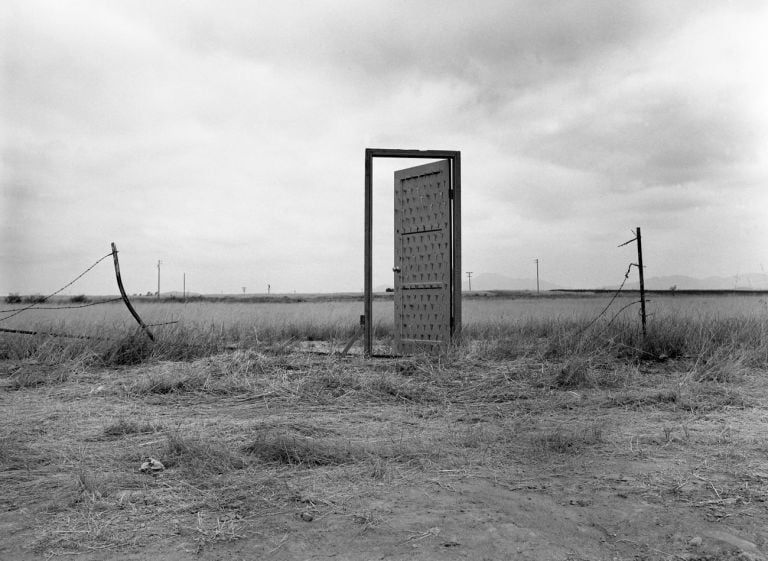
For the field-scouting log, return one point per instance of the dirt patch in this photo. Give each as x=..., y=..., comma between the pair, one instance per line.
x=310, y=457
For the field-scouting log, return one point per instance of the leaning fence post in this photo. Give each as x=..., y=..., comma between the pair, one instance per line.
x=642, y=279
x=125, y=297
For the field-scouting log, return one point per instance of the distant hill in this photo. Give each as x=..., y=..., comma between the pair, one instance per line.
x=494, y=281
x=750, y=281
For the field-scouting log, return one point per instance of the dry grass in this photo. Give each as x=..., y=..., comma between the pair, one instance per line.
x=260, y=432
x=544, y=328
x=199, y=456
x=302, y=434
x=123, y=427
x=562, y=440
x=298, y=450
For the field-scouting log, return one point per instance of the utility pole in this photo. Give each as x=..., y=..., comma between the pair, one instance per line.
x=184, y=287
x=537, y=275
x=469, y=278
x=269, y=288
x=158, y=278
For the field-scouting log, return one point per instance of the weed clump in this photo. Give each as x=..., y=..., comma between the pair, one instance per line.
x=576, y=373
x=30, y=374
x=335, y=384
x=566, y=441
x=168, y=382
x=18, y=453
x=725, y=365
x=301, y=450
x=198, y=456
x=129, y=350
x=403, y=389
x=91, y=485
x=712, y=396
x=124, y=427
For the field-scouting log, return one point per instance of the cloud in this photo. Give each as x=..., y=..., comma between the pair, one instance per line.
x=227, y=139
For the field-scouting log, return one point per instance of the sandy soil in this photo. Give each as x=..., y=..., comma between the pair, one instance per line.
x=486, y=461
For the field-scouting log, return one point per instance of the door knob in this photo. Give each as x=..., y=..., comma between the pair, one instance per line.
x=396, y=269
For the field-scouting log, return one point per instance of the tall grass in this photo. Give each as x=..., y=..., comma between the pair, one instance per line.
x=740, y=336
x=667, y=338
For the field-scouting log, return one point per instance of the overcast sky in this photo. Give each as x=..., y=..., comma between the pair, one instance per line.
x=227, y=138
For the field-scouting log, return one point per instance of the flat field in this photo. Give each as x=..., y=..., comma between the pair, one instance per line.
x=543, y=436
x=305, y=317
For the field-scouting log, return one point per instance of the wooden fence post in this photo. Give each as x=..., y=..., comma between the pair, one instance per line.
x=125, y=296
x=642, y=280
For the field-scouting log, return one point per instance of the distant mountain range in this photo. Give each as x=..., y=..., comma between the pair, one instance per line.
x=747, y=281
x=494, y=281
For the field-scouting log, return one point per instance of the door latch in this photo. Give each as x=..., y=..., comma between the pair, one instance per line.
x=396, y=269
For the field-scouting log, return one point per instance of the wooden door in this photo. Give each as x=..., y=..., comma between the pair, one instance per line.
x=423, y=258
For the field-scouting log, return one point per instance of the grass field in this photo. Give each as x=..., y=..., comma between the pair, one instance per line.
x=540, y=436
x=300, y=317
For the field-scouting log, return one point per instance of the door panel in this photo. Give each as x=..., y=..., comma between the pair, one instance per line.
x=423, y=257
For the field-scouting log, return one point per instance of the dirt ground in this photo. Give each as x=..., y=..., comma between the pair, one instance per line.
x=309, y=457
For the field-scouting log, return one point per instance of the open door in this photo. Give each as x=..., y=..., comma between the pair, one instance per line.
x=423, y=268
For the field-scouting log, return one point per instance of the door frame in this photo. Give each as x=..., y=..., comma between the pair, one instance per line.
x=454, y=157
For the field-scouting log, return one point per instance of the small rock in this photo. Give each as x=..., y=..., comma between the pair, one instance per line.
x=307, y=516
x=695, y=541
x=152, y=466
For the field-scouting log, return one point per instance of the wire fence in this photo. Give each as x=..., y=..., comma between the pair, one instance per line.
x=46, y=298
x=35, y=305
x=642, y=300
x=610, y=303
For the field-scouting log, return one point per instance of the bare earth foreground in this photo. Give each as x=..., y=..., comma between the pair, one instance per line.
x=302, y=456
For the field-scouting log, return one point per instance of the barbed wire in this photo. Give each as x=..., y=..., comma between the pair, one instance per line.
x=591, y=323
x=35, y=305
x=64, y=307
x=619, y=312
x=78, y=277
x=49, y=334
x=162, y=323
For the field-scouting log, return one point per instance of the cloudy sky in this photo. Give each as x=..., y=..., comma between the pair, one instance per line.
x=227, y=138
